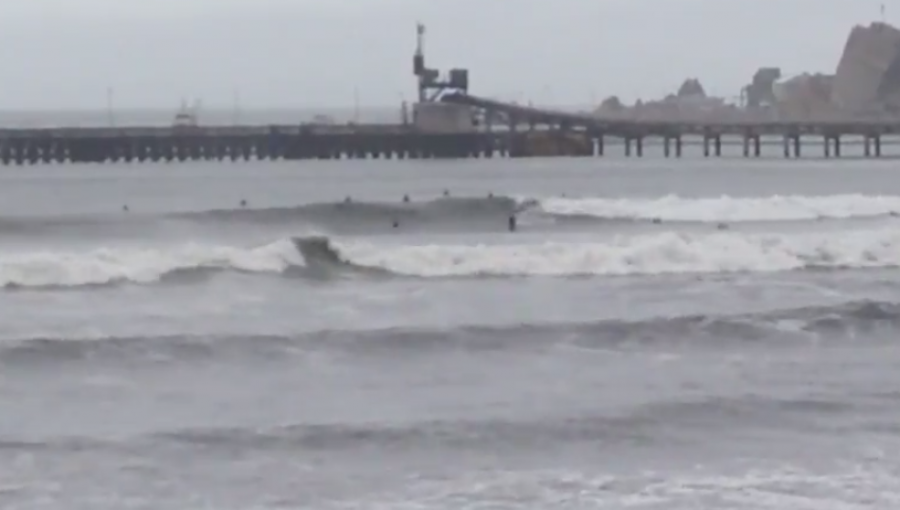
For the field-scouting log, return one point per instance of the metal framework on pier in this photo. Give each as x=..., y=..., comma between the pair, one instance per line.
x=431, y=85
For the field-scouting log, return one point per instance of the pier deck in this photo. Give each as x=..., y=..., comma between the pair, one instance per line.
x=526, y=131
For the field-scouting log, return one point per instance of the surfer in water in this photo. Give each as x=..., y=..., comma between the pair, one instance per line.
x=512, y=223
x=405, y=199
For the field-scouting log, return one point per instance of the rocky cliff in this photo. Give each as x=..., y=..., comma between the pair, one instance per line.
x=863, y=76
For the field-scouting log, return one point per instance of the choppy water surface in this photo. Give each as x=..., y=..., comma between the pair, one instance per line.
x=656, y=334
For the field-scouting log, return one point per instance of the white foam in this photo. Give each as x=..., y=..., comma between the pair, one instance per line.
x=845, y=488
x=726, y=208
x=661, y=253
x=139, y=265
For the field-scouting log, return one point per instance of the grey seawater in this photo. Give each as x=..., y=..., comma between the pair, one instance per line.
x=301, y=352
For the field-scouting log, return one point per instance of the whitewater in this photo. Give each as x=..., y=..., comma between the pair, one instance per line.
x=291, y=335
x=646, y=254
x=726, y=208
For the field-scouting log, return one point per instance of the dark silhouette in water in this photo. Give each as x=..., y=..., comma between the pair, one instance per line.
x=722, y=226
x=512, y=223
x=125, y=207
x=657, y=221
x=347, y=199
x=396, y=224
x=243, y=203
x=446, y=193
x=491, y=195
x=406, y=198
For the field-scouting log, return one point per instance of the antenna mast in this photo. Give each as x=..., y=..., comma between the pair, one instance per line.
x=420, y=39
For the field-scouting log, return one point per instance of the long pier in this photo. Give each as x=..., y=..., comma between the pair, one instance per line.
x=448, y=122
x=179, y=144
x=499, y=129
x=634, y=133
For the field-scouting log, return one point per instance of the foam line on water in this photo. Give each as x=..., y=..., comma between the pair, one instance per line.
x=725, y=208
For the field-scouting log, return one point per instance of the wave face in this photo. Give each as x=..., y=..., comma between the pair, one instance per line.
x=340, y=216
x=725, y=208
x=647, y=254
x=359, y=214
x=841, y=321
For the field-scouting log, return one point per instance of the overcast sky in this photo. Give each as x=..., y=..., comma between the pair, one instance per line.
x=300, y=53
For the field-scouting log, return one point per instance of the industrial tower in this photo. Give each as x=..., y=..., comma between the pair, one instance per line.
x=431, y=86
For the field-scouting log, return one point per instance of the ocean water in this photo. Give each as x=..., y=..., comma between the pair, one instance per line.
x=692, y=334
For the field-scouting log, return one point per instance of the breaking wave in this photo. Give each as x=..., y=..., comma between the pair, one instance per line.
x=50, y=269
x=646, y=254
x=490, y=212
x=840, y=321
x=725, y=208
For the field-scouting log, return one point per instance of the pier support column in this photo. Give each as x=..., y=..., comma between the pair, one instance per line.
x=640, y=146
x=757, y=146
x=837, y=146
x=627, y=147
x=678, y=146
x=600, y=143
x=826, y=146
x=797, y=152
x=786, y=143
x=746, y=146
x=877, y=140
x=705, y=146
x=867, y=146
x=667, y=146
x=718, y=145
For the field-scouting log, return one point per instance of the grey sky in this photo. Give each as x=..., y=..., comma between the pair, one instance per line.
x=298, y=53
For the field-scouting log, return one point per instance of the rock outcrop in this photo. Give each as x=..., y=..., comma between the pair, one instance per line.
x=869, y=69
x=691, y=88
x=611, y=106
x=804, y=97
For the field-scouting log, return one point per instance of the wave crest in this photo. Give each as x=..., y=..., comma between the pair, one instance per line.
x=649, y=254
x=104, y=266
x=725, y=208
x=487, y=211
x=834, y=321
